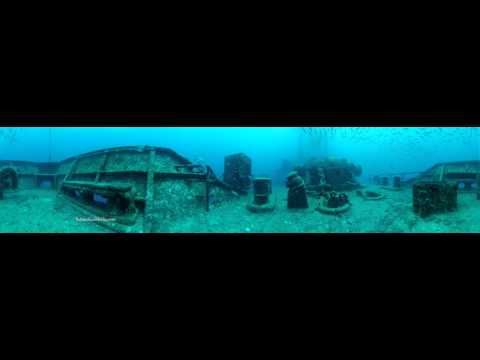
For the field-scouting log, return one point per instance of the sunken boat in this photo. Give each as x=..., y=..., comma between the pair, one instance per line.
x=134, y=187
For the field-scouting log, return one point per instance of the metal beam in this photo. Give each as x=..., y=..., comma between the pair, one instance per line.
x=149, y=193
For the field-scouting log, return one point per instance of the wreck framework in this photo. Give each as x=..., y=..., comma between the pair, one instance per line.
x=130, y=188
x=464, y=174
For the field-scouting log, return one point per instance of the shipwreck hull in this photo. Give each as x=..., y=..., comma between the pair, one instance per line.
x=464, y=174
x=128, y=189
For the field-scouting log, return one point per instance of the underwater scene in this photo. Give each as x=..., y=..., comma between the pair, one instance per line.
x=239, y=180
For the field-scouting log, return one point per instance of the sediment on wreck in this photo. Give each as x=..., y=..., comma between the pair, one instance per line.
x=129, y=189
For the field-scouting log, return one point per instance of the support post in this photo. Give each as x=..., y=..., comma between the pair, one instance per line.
x=102, y=167
x=207, y=188
x=72, y=170
x=442, y=171
x=478, y=185
x=207, y=195
x=149, y=196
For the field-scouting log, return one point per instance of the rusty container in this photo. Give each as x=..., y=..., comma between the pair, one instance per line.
x=262, y=188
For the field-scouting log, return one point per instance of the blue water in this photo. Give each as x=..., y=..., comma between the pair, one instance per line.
x=46, y=184
x=99, y=199
x=377, y=150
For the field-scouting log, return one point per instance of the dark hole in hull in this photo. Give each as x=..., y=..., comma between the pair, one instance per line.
x=46, y=184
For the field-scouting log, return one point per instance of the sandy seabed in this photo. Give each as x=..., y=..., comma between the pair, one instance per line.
x=39, y=211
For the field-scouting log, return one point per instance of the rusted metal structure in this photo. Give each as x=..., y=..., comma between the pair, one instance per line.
x=461, y=173
x=329, y=174
x=129, y=189
x=297, y=196
x=262, y=190
x=8, y=178
x=31, y=174
x=464, y=174
x=434, y=197
x=238, y=172
x=397, y=182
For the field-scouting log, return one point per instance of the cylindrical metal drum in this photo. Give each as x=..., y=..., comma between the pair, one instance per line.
x=262, y=186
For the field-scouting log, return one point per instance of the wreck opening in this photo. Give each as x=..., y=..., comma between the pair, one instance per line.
x=46, y=182
x=103, y=200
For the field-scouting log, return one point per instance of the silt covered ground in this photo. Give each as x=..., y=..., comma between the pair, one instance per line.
x=38, y=211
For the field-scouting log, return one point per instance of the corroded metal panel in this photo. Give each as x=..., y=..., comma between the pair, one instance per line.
x=89, y=164
x=459, y=172
x=138, y=179
x=65, y=166
x=127, y=161
x=161, y=184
